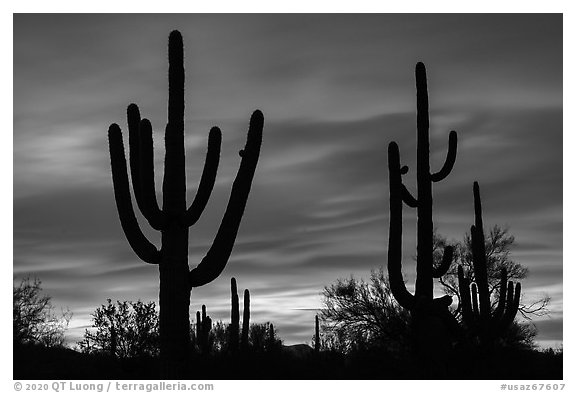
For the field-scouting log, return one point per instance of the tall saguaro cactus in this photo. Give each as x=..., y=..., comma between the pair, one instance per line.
x=431, y=318
x=477, y=313
x=399, y=194
x=174, y=219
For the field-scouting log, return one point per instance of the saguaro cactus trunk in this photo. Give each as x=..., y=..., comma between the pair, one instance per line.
x=174, y=219
x=429, y=314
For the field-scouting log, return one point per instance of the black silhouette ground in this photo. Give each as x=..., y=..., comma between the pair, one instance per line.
x=35, y=362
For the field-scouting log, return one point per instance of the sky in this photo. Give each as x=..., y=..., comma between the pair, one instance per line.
x=335, y=90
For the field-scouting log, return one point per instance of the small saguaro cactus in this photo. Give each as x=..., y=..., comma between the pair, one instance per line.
x=203, y=328
x=271, y=337
x=317, y=335
x=246, y=320
x=113, y=339
x=198, y=329
x=234, y=317
x=174, y=219
x=477, y=314
x=399, y=194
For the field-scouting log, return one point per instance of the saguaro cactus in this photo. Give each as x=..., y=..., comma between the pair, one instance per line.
x=431, y=318
x=113, y=339
x=174, y=219
x=234, y=316
x=246, y=319
x=203, y=328
x=486, y=324
x=271, y=337
x=317, y=335
x=399, y=194
x=199, y=328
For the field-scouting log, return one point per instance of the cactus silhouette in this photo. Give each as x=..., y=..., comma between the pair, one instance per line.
x=203, y=327
x=113, y=338
x=399, y=194
x=271, y=336
x=317, y=335
x=430, y=315
x=234, y=317
x=174, y=219
x=486, y=324
x=246, y=320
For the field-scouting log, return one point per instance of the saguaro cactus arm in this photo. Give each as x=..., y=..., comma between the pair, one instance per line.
x=512, y=304
x=397, y=285
x=217, y=256
x=441, y=269
x=133, y=116
x=475, y=308
x=208, y=178
x=407, y=198
x=141, y=246
x=148, y=203
x=465, y=298
x=499, y=312
x=450, y=159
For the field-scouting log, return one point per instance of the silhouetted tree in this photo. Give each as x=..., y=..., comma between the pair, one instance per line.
x=357, y=314
x=174, y=218
x=263, y=338
x=123, y=330
x=220, y=337
x=34, y=318
x=519, y=335
x=337, y=341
